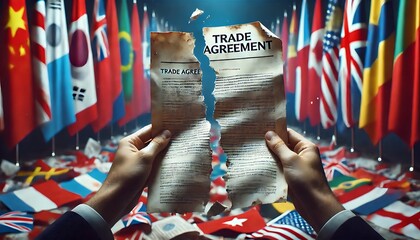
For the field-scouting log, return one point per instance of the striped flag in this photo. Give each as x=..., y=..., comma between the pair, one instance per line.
x=352, y=53
x=126, y=50
x=117, y=94
x=377, y=74
x=301, y=94
x=16, y=72
x=315, y=64
x=285, y=44
x=102, y=66
x=83, y=76
x=330, y=63
x=39, y=63
x=146, y=43
x=44, y=196
x=85, y=184
x=404, y=116
x=58, y=64
x=16, y=222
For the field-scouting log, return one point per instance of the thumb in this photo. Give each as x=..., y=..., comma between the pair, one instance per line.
x=155, y=146
x=279, y=147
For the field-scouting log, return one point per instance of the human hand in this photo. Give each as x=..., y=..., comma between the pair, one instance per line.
x=308, y=186
x=128, y=174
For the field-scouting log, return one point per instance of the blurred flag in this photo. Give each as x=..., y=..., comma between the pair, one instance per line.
x=58, y=64
x=39, y=45
x=117, y=94
x=137, y=215
x=1, y=112
x=291, y=63
x=341, y=184
x=126, y=50
x=44, y=196
x=315, y=64
x=146, y=43
x=16, y=222
x=330, y=63
x=285, y=43
x=85, y=184
x=16, y=73
x=84, y=89
x=404, y=116
x=352, y=54
x=335, y=163
x=398, y=218
x=301, y=96
x=377, y=75
x=102, y=67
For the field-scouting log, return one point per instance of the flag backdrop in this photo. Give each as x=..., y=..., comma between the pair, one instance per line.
x=352, y=53
x=102, y=67
x=58, y=64
x=291, y=63
x=146, y=43
x=330, y=63
x=83, y=76
x=404, y=117
x=39, y=44
x=126, y=50
x=377, y=74
x=285, y=44
x=117, y=94
x=1, y=111
x=16, y=73
x=314, y=64
x=301, y=90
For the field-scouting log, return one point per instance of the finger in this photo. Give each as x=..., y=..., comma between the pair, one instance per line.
x=294, y=137
x=140, y=137
x=279, y=147
x=299, y=143
x=157, y=144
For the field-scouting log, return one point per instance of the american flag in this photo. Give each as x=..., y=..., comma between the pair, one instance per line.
x=330, y=63
x=353, y=44
x=289, y=225
x=15, y=221
x=100, y=46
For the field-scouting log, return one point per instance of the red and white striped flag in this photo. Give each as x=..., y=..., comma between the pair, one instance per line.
x=315, y=64
x=39, y=63
x=84, y=90
x=353, y=43
x=330, y=63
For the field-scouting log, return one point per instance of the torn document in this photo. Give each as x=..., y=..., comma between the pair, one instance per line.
x=250, y=100
x=181, y=182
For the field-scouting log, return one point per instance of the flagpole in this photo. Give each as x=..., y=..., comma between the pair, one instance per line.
x=380, y=151
x=304, y=127
x=125, y=129
x=77, y=141
x=99, y=136
x=53, y=147
x=17, y=155
x=352, y=140
x=112, y=132
x=334, y=136
x=318, y=137
x=412, y=160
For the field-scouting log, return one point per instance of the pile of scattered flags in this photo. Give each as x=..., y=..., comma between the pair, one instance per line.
x=38, y=192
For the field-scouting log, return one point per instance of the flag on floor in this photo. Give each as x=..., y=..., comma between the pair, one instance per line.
x=289, y=225
x=398, y=218
x=315, y=64
x=16, y=222
x=285, y=43
x=335, y=163
x=368, y=199
x=330, y=63
x=126, y=50
x=85, y=184
x=39, y=63
x=44, y=196
x=301, y=90
x=102, y=67
x=342, y=184
x=137, y=215
x=404, y=115
x=291, y=63
x=58, y=64
x=377, y=74
x=352, y=54
x=82, y=72
x=146, y=43
x=16, y=73
x=117, y=94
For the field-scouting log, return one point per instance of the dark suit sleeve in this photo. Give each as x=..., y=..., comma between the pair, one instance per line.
x=70, y=226
x=355, y=228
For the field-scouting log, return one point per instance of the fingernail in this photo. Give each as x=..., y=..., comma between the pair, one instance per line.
x=166, y=134
x=269, y=135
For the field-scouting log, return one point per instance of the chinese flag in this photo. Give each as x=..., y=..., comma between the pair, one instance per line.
x=16, y=72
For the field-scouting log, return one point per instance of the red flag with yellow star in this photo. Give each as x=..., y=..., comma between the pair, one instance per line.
x=16, y=72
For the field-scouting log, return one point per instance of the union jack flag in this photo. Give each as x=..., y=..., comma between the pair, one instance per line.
x=137, y=215
x=13, y=222
x=353, y=45
x=330, y=63
x=100, y=46
x=335, y=163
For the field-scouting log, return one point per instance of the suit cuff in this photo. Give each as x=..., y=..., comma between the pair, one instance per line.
x=328, y=230
x=95, y=220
